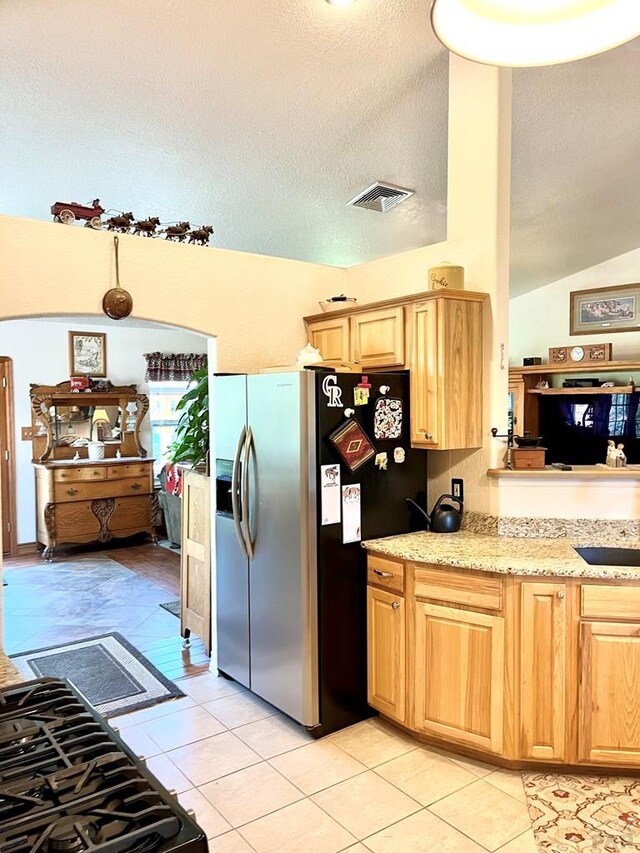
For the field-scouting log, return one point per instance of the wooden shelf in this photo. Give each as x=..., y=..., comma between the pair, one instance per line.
x=590, y=367
x=618, y=389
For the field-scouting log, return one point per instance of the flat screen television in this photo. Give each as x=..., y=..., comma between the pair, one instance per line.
x=575, y=428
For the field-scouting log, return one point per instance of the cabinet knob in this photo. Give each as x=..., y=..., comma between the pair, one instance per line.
x=395, y=605
x=72, y=491
x=136, y=486
x=560, y=594
x=428, y=435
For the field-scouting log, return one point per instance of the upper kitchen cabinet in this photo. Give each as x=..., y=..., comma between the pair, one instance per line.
x=445, y=359
x=377, y=338
x=437, y=336
x=330, y=335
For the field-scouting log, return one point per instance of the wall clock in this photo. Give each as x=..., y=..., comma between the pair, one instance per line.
x=587, y=354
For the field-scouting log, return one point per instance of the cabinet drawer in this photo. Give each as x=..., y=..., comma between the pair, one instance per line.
x=65, y=492
x=388, y=574
x=128, y=469
x=610, y=602
x=457, y=588
x=79, y=475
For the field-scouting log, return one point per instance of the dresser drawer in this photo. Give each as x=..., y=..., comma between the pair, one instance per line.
x=388, y=574
x=453, y=587
x=610, y=602
x=104, y=489
x=129, y=469
x=79, y=475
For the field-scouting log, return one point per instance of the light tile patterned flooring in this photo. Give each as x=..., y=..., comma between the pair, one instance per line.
x=258, y=782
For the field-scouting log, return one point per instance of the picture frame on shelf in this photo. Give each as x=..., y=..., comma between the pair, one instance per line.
x=88, y=354
x=605, y=309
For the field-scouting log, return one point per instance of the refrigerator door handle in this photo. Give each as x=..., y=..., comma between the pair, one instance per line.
x=244, y=494
x=235, y=488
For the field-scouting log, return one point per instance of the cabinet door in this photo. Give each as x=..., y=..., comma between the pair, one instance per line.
x=424, y=375
x=386, y=653
x=459, y=675
x=609, y=722
x=195, y=559
x=542, y=670
x=331, y=337
x=377, y=338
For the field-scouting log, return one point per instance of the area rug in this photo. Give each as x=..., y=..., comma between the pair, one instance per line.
x=172, y=607
x=584, y=814
x=109, y=672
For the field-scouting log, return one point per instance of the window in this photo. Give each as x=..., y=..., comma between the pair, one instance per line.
x=163, y=399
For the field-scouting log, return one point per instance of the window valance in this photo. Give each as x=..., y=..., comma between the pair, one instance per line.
x=167, y=367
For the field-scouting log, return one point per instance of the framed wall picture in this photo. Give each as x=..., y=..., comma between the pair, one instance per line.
x=606, y=309
x=87, y=354
x=353, y=444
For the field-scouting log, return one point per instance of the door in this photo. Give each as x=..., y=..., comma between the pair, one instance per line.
x=543, y=670
x=195, y=559
x=609, y=722
x=424, y=375
x=280, y=516
x=232, y=566
x=377, y=338
x=331, y=337
x=386, y=658
x=459, y=675
x=7, y=478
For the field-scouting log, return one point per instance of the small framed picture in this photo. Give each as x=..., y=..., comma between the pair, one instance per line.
x=605, y=309
x=87, y=354
x=353, y=444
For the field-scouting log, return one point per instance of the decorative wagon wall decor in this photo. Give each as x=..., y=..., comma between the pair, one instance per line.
x=126, y=223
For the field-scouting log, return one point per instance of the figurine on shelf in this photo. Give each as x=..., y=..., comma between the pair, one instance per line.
x=621, y=459
x=201, y=235
x=612, y=454
x=146, y=227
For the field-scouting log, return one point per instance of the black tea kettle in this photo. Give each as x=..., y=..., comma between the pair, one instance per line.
x=444, y=517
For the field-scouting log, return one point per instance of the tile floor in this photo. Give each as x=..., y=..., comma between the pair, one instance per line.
x=257, y=782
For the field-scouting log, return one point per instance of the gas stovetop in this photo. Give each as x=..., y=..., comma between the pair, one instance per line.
x=68, y=784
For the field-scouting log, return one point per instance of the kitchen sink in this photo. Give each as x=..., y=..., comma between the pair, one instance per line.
x=610, y=556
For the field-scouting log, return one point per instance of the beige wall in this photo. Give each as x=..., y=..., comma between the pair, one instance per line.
x=252, y=303
x=540, y=319
x=478, y=239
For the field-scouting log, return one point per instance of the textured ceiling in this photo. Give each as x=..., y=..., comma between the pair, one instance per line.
x=576, y=166
x=261, y=118
x=264, y=118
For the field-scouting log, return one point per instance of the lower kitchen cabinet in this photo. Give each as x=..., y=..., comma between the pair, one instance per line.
x=386, y=655
x=459, y=675
x=543, y=630
x=530, y=671
x=609, y=702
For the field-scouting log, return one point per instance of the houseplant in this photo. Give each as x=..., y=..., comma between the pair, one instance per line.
x=191, y=439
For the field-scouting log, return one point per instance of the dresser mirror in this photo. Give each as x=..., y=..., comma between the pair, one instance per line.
x=64, y=422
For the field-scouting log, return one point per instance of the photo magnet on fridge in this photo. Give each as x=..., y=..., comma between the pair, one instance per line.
x=353, y=444
x=351, y=519
x=360, y=396
x=330, y=493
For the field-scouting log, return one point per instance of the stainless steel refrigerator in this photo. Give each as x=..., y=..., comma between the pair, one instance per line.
x=291, y=597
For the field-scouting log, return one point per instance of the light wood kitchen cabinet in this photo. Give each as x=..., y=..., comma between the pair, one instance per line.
x=459, y=675
x=609, y=721
x=543, y=630
x=195, y=558
x=446, y=373
x=377, y=338
x=386, y=658
x=437, y=336
x=507, y=668
x=331, y=336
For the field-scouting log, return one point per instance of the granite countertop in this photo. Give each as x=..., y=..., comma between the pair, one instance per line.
x=507, y=555
x=8, y=673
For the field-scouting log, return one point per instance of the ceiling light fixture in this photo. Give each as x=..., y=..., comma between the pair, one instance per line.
x=341, y=2
x=527, y=33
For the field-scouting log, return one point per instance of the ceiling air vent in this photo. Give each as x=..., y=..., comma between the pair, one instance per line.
x=381, y=197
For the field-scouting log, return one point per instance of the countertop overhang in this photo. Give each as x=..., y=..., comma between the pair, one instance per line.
x=507, y=555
